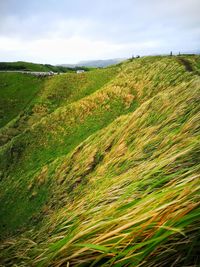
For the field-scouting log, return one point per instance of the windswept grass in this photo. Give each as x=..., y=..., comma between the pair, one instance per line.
x=111, y=179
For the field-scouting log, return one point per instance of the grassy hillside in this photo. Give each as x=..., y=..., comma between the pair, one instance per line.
x=16, y=91
x=104, y=169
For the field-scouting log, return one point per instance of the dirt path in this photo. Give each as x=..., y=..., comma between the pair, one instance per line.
x=187, y=64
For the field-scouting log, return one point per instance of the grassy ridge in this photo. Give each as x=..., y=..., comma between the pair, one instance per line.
x=68, y=88
x=55, y=92
x=110, y=179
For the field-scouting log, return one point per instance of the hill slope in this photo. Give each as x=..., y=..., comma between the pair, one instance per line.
x=16, y=91
x=107, y=174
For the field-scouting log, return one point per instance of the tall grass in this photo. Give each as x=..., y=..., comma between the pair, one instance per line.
x=126, y=194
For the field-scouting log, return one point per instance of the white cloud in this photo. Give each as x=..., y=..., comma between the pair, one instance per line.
x=62, y=50
x=9, y=44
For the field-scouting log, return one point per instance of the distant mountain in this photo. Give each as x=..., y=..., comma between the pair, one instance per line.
x=95, y=63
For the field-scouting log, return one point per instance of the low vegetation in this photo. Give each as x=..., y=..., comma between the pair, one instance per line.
x=103, y=169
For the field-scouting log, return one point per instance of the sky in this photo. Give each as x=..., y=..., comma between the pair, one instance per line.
x=68, y=31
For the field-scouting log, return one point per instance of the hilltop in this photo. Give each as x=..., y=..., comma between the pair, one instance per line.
x=102, y=168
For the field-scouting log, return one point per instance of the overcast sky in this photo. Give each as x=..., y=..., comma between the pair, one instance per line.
x=67, y=31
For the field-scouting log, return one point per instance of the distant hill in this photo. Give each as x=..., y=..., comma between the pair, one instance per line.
x=95, y=63
x=28, y=66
